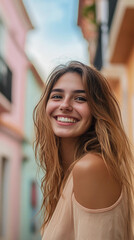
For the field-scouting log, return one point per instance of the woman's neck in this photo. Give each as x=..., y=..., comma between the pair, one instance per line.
x=67, y=152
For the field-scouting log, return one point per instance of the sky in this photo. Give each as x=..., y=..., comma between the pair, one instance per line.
x=56, y=38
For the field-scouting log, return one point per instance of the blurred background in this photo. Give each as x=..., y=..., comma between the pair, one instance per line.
x=35, y=36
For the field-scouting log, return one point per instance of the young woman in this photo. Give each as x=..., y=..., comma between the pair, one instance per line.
x=86, y=158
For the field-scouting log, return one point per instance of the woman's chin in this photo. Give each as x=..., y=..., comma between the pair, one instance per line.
x=65, y=135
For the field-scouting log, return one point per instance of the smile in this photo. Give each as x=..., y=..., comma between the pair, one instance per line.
x=66, y=119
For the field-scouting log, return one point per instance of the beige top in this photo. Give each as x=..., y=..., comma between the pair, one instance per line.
x=71, y=221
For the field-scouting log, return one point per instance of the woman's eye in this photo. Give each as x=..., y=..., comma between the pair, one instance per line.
x=81, y=99
x=56, y=97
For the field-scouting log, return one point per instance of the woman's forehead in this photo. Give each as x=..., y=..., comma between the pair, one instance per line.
x=70, y=78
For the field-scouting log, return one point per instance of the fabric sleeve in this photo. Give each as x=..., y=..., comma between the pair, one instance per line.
x=102, y=224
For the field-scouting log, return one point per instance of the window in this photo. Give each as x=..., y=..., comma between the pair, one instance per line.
x=5, y=80
x=5, y=72
x=33, y=204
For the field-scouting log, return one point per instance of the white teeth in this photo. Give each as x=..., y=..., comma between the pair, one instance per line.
x=65, y=119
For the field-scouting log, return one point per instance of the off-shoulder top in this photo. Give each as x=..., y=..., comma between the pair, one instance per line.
x=72, y=221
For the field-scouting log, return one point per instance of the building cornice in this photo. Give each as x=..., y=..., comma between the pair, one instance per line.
x=37, y=74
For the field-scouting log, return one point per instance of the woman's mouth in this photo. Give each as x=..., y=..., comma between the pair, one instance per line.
x=66, y=119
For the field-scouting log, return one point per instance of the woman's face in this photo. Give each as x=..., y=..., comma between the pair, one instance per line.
x=67, y=107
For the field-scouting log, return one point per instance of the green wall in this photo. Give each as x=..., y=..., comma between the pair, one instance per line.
x=30, y=224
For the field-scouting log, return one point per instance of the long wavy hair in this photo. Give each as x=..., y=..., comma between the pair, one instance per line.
x=106, y=136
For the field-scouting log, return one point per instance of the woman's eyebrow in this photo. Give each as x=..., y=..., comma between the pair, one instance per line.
x=57, y=90
x=79, y=91
x=61, y=90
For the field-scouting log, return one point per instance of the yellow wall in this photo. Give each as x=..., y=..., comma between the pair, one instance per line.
x=130, y=72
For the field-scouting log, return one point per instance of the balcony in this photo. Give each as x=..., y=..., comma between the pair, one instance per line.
x=122, y=32
x=5, y=87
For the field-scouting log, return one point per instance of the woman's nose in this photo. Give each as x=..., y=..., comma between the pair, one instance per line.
x=66, y=105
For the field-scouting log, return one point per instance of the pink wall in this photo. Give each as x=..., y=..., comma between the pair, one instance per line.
x=17, y=62
x=12, y=151
x=15, y=19
x=12, y=123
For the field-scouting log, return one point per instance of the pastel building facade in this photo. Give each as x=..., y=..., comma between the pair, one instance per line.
x=15, y=128
x=111, y=44
x=30, y=179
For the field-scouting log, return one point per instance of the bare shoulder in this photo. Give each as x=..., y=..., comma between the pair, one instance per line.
x=94, y=186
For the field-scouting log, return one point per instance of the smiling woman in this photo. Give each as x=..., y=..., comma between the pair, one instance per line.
x=67, y=107
x=81, y=145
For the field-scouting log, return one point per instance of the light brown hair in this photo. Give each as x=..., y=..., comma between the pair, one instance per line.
x=105, y=136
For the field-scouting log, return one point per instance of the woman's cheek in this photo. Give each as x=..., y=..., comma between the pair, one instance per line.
x=50, y=108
